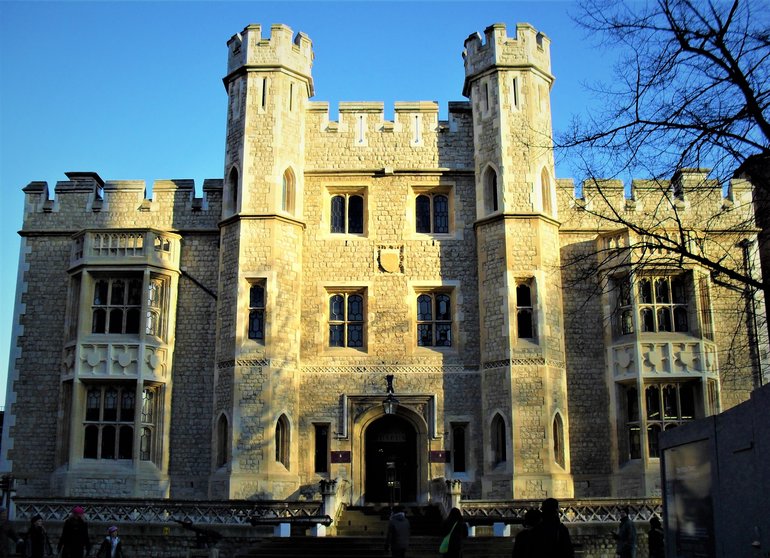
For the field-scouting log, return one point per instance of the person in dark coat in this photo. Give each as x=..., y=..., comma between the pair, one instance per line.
x=655, y=539
x=524, y=546
x=37, y=545
x=6, y=532
x=626, y=536
x=397, y=537
x=551, y=538
x=74, y=541
x=455, y=525
x=112, y=546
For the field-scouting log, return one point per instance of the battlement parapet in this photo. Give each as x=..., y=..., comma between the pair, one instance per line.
x=367, y=117
x=689, y=197
x=529, y=48
x=283, y=50
x=87, y=193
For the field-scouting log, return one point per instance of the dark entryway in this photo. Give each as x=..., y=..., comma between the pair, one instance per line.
x=391, y=460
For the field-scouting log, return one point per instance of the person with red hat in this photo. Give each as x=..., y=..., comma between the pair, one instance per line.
x=74, y=541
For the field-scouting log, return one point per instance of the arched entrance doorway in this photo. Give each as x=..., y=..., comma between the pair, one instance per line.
x=390, y=444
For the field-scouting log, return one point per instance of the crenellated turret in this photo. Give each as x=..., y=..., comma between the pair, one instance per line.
x=248, y=51
x=268, y=85
x=508, y=81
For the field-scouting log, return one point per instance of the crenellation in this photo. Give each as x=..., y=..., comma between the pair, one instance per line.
x=121, y=202
x=293, y=54
x=529, y=48
x=690, y=197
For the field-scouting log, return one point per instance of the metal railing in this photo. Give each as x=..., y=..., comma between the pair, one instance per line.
x=114, y=510
x=595, y=510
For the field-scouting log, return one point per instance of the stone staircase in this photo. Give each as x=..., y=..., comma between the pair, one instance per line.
x=361, y=534
x=370, y=547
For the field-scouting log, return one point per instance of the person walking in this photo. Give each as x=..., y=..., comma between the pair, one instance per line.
x=112, y=546
x=74, y=541
x=37, y=545
x=397, y=537
x=655, y=540
x=6, y=532
x=524, y=545
x=456, y=530
x=626, y=536
x=551, y=538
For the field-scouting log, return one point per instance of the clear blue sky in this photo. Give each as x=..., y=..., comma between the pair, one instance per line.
x=133, y=90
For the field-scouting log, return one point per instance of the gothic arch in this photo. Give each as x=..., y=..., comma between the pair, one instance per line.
x=359, y=427
x=491, y=189
x=231, y=193
x=282, y=441
x=288, y=191
x=498, y=440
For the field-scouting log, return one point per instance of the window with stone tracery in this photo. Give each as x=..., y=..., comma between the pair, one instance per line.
x=347, y=311
x=434, y=319
x=116, y=305
x=660, y=303
x=110, y=427
x=663, y=303
x=432, y=213
x=347, y=214
x=663, y=406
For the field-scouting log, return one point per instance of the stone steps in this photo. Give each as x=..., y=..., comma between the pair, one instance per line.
x=370, y=547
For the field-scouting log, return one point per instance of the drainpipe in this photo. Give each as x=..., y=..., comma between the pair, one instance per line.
x=751, y=309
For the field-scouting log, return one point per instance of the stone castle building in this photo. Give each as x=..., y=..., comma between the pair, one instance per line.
x=238, y=344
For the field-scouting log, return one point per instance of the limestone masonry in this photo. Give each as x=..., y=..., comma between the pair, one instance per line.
x=238, y=344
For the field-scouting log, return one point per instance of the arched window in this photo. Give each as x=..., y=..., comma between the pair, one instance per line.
x=288, y=191
x=231, y=202
x=282, y=441
x=545, y=191
x=498, y=440
x=223, y=432
x=558, y=440
x=490, y=190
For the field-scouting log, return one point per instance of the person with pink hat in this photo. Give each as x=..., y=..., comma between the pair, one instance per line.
x=111, y=546
x=74, y=541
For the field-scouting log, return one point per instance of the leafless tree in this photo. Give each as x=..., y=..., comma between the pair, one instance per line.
x=691, y=87
x=691, y=90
